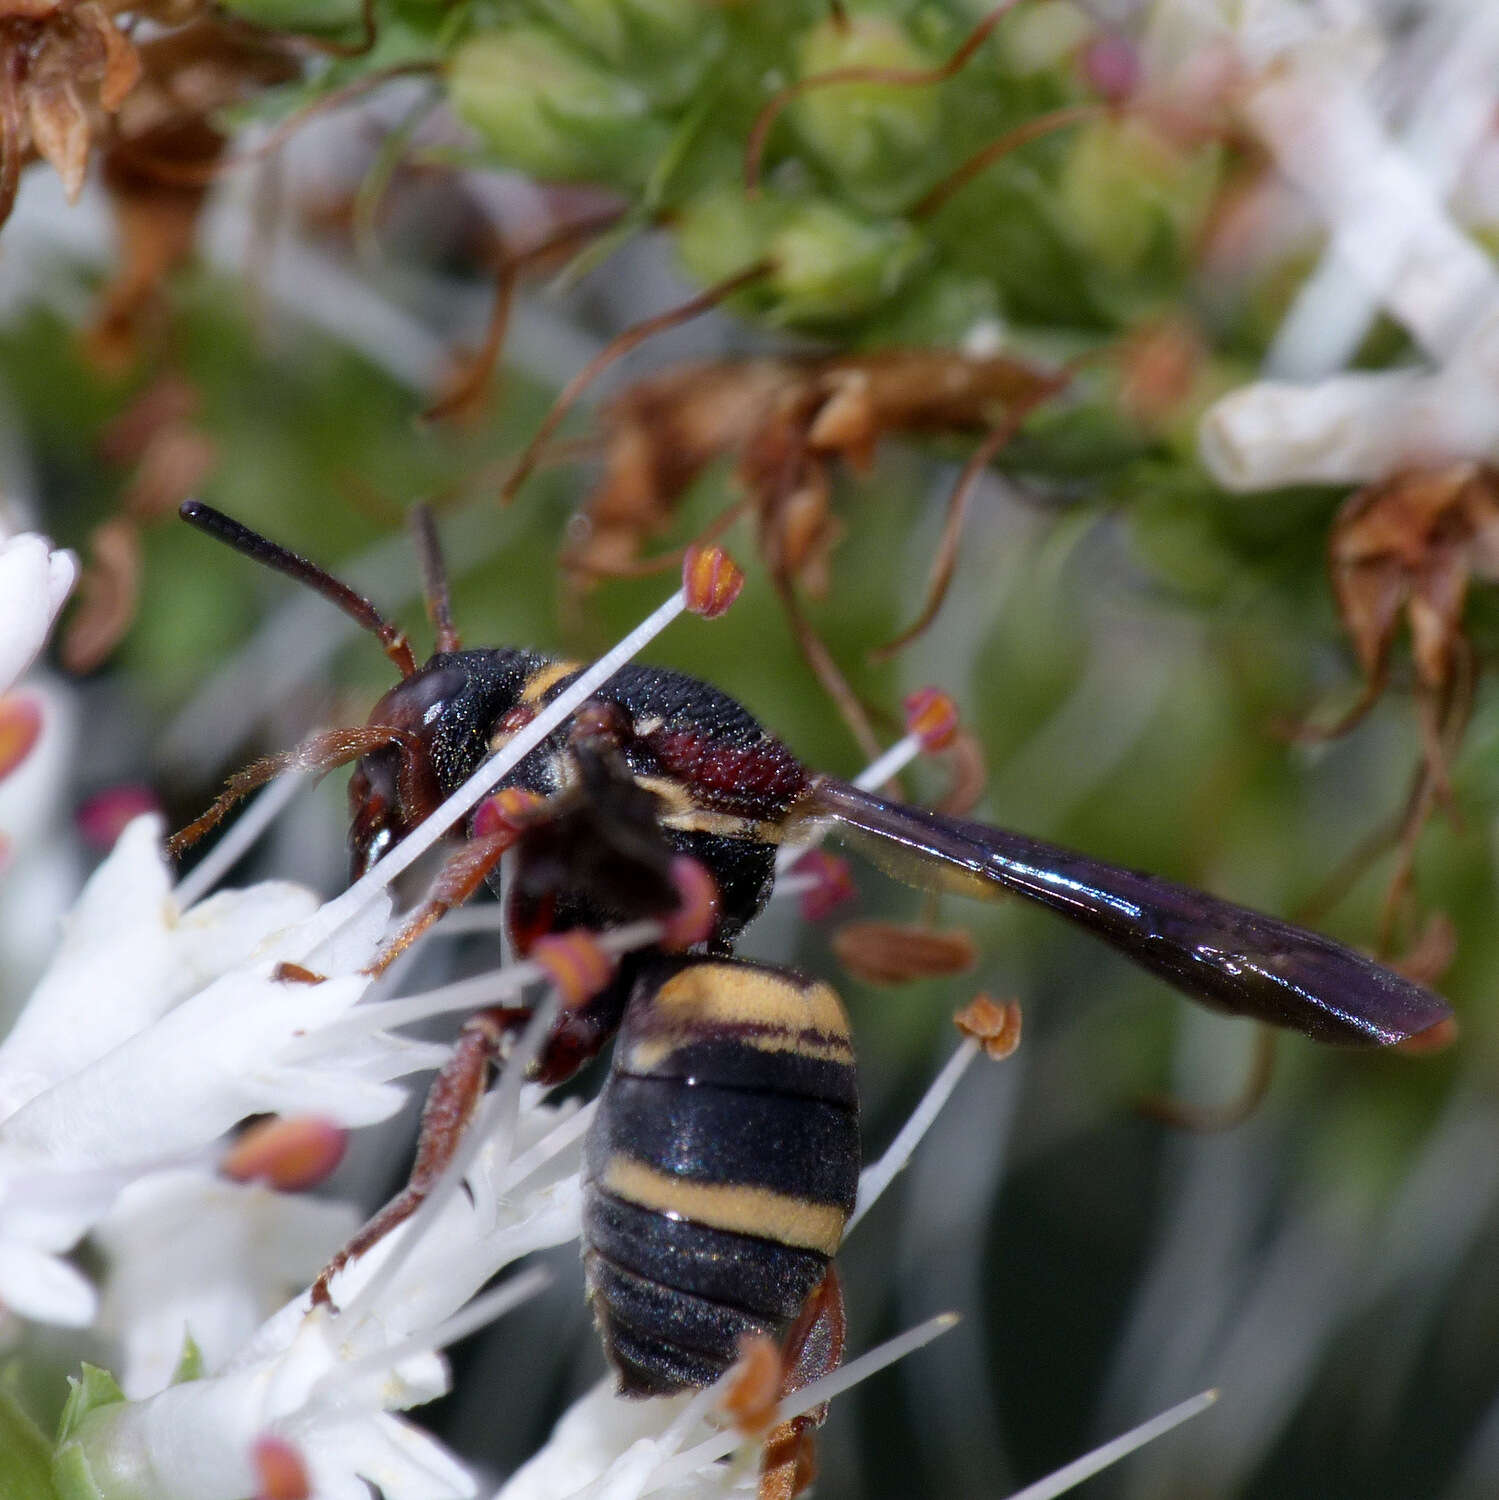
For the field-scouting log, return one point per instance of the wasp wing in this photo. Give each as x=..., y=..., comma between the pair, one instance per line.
x=1226, y=956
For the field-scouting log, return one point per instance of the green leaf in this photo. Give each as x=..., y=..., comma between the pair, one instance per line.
x=25, y=1458
x=93, y=1389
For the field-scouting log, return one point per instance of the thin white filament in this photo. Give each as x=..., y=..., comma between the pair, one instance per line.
x=875, y=774
x=432, y=828
x=465, y=994
x=468, y=1319
x=874, y=1180
x=452, y=1176
x=550, y=1145
x=685, y=1465
x=242, y=833
x=1073, y=1474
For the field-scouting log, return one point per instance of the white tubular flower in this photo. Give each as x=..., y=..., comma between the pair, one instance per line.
x=1392, y=244
x=196, y=1440
x=127, y=957
x=1349, y=429
x=608, y=1448
x=193, y=1256
x=152, y=1033
x=327, y=1385
x=35, y=579
x=39, y=867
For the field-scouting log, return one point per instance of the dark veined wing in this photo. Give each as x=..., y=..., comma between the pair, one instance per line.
x=1226, y=956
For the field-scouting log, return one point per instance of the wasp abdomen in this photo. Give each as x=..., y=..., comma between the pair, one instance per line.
x=722, y=1166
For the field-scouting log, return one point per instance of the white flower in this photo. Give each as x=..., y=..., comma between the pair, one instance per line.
x=152, y=1033
x=1392, y=244
x=39, y=866
x=327, y=1385
x=195, y=1441
x=35, y=579
x=191, y=1255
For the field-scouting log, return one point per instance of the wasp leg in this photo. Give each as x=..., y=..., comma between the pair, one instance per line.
x=451, y=1102
x=463, y=872
x=813, y=1348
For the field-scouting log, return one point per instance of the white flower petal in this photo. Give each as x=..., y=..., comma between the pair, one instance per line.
x=1350, y=429
x=108, y=977
x=34, y=581
x=196, y=1071
x=41, y=1286
x=232, y=927
x=190, y=1253
x=402, y=1460
x=617, y=1444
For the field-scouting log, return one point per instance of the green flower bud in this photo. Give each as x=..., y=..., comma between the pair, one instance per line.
x=547, y=110
x=941, y=310
x=297, y=15
x=663, y=44
x=721, y=232
x=827, y=264
x=1132, y=199
x=868, y=134
x=1041, y=36
x=831, y=265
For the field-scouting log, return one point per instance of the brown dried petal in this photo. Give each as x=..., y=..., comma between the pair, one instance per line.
x=888, y=953
x=122, y=67
x=1398, y=518
x=172, y=470
x=107, y=596
x=1431, y=955
x=1370, y=596
x=166, y=401
x=1435, y=615
x=60, y=132
x=847, y=423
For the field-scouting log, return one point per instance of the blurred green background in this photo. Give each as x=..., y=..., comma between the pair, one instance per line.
x=1123, y=639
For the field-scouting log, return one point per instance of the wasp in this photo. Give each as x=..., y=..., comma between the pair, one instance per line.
x=723, y=1159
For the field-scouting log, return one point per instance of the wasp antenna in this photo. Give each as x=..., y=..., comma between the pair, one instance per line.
x=434, y=576
x=262, y=550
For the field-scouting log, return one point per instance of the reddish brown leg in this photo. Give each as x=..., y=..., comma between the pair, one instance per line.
x=463, y=872
x=450, y=1106
x=813, y=1348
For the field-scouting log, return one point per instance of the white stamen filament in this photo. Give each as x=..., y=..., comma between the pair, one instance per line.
x=553, y=1143
x=1073, y=1474
x=891, y=763
x=685, y=1465
x=242, y=833
x=416, y=843
x=489, y=988
x=874, y=1180
x=494, y=1108
x=874, y=775
x=482, y=1310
